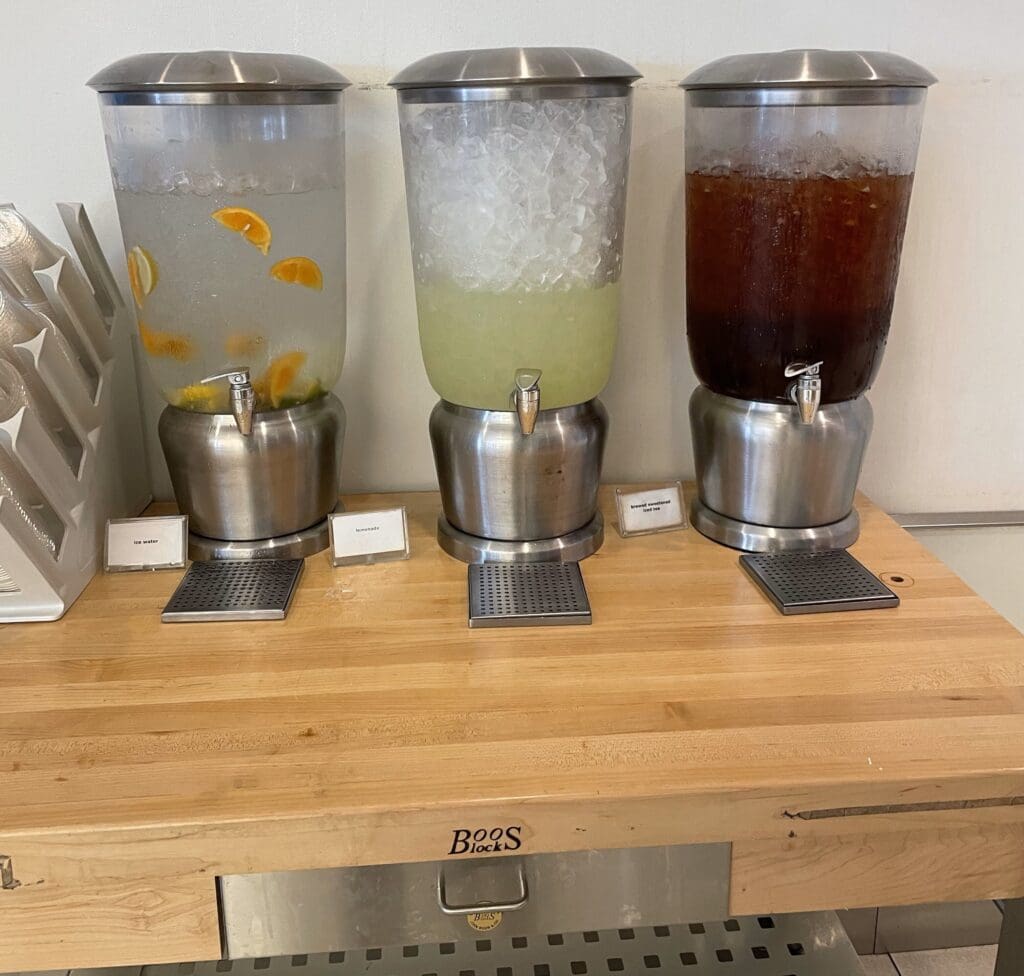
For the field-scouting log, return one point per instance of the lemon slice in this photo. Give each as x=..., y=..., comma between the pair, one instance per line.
x=202, y=397
x=248, y=223
x=299, y=271
x=142, y=273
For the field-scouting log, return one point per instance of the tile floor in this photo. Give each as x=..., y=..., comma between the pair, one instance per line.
x=973, y=961
x=885, y=939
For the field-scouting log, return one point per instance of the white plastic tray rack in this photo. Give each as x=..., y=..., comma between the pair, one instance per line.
x=100, y=405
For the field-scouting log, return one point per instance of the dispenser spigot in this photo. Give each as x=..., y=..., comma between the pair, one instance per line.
x=806, y=391
x=526, y=398
x=243, y=396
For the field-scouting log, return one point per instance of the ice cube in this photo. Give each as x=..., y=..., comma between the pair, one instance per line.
x=524, y=194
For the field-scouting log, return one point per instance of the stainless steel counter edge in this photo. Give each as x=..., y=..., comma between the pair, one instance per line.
x=956, y=520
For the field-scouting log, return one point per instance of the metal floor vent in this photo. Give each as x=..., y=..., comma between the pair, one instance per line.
x=811, y=944
x=527, y=595
x=234, y=589
x=817, y=582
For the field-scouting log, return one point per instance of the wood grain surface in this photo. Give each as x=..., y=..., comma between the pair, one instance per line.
x=56, y=926
x=971, y=863
x=372, y=722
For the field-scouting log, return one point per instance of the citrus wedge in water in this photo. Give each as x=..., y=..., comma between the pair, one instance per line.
x=204, y=397
x=280, y=376
x=299, y=271
x=142, y=273
x=166, y=345
x=243, y=346
x=247, y=223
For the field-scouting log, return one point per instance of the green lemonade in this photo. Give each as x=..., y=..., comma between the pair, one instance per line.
x=473, y=341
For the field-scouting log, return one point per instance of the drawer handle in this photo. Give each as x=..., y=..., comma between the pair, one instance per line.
x=483, y=906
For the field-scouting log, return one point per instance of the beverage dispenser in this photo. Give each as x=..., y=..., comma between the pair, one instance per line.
x=515, y=167
x=228, y=172
x=799, y=167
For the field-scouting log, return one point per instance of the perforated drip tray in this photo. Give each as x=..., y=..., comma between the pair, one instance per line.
x=527, y=595
x=817, y=582
x=812, y=944
x=234, y=589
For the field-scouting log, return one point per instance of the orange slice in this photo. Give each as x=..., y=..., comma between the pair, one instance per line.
x=299, y=271
x=142, y=273
x=204, y=397
x=243, y=346
x=280, y=376
x=166, y=345
x=250, y=225
x=261, y=389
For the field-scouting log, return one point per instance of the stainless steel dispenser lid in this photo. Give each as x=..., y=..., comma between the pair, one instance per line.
x=573, y=71
x=810, y=76
x=218, y=76
x=813, y=68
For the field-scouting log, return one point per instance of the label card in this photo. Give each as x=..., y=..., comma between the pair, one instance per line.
x=650, y=510
x=132, y=544
x=368, y=537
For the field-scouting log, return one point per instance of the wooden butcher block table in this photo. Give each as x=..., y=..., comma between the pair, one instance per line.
x=852, y=759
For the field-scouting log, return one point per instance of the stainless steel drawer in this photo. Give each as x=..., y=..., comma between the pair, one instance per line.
x=409, y=904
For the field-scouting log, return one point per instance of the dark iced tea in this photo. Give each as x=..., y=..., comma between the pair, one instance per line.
x=780, y=270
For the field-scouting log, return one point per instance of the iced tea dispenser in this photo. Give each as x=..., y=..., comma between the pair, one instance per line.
x=799, y=167
x=228, y=172
x=515, y=170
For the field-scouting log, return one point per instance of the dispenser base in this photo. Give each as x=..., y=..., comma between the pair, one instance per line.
x=766, y=538
x=232, y=486
x=571, y=547
x=297, y=545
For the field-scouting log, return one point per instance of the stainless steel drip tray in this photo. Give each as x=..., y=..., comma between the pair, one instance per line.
x=817, y=582
x=527, y=595
x=230, y=589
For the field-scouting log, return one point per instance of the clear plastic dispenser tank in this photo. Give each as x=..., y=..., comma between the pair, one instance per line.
x=516, y=162
x=232, y=208
x=799, y=167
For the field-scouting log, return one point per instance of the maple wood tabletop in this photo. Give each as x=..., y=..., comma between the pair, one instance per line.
x=372, y=721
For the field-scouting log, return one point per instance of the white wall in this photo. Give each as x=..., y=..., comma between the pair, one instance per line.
x=949, y=431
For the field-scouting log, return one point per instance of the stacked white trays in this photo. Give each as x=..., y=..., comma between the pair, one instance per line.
x=102, y=412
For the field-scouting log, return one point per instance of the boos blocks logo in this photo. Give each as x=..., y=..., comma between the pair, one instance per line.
x=485, y=840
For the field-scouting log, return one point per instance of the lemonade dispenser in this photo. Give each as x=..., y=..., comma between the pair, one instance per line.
x=515, y=171
x=799, y=168
x=228, y=172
